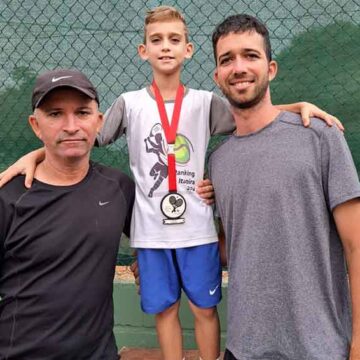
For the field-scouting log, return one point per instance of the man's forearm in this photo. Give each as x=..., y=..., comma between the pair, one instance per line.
x=353, y=262
x=347, y=219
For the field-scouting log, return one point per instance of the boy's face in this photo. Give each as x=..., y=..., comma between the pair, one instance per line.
x=166, y=47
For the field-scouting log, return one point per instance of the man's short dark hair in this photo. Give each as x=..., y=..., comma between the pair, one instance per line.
x=238, y=24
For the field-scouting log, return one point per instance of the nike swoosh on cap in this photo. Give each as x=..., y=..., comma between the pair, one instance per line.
x=54, y=79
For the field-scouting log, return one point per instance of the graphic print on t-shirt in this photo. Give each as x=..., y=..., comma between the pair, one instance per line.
x=156, y=143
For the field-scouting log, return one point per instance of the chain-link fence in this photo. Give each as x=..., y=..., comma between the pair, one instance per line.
x=316, y=42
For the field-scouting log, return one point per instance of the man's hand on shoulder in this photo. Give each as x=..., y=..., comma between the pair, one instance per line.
x=205, y=190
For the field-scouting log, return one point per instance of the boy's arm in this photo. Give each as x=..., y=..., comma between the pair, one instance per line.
x=221, y=119
x=115, y=123
x=25, y=165
x=308, y=110
x=347, y=220
x=222, y=122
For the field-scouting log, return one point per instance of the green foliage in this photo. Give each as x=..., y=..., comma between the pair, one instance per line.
x=322, y=66
x=16, y=136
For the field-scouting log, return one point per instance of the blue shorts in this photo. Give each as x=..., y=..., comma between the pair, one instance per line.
x=164, y=272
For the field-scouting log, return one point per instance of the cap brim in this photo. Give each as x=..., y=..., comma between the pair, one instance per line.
x=57, y=86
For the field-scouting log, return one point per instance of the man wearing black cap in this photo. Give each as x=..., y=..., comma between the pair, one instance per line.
x=59, y=239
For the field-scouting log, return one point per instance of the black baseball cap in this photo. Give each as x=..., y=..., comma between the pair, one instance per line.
x=54, y=79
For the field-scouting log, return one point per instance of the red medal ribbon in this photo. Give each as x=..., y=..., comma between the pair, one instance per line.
x=170, y=130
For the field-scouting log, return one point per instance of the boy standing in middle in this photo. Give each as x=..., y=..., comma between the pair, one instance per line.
x=172, y=228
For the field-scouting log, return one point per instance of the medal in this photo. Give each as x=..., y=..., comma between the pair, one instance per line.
x=173, y=205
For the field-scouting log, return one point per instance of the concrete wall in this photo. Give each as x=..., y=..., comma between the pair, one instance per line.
x=133, y=328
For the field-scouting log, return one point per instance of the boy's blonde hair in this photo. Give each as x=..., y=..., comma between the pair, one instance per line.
x=162, y=14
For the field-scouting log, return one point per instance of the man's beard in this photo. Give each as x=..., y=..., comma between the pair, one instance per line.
x=247, y=104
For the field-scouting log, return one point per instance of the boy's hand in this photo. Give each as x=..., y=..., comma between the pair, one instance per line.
x=206, y=191
x=135, y=270
x=308, y=110
x=18, y=169
x=26, y=165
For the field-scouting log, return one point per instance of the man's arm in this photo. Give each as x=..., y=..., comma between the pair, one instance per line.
x=6, y=218
x=128, y=190
x=2, y=230
x=222, y=244
x=347, y=219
